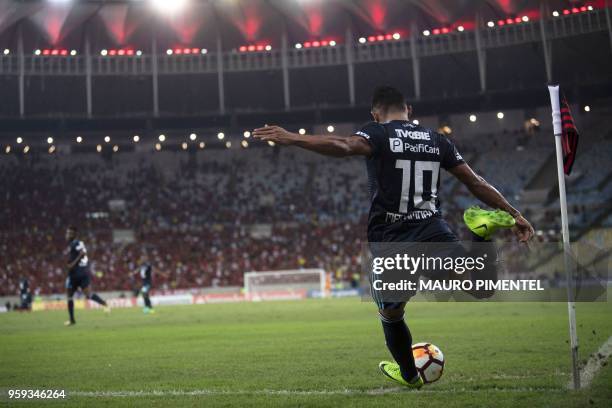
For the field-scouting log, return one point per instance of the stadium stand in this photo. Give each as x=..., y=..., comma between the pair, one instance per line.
x=207, y=217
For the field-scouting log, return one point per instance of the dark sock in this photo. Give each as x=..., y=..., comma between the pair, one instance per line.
x=147, y=301
x=71, y=309
x=97, y=299
x=399, y=343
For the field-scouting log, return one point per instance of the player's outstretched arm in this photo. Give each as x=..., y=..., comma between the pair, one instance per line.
x=489, y=195
x=335, y=146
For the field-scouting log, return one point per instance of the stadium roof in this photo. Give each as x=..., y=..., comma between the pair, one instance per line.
x=130, y=23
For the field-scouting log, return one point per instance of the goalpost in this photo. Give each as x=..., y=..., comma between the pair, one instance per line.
x=258, y=284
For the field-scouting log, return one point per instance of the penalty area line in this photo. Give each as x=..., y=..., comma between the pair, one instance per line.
x=595, y=362
x=378, y=391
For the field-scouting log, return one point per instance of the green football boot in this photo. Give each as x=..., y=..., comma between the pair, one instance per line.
x=392, y=371
x=484, y=223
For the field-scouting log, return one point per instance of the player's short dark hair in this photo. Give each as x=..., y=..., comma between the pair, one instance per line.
x=73, y=228
x=388, y=98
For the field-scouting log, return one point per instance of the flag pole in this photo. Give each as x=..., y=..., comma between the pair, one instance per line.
x=571, y=306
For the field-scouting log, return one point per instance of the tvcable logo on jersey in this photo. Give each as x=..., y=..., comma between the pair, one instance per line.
x=414, y=135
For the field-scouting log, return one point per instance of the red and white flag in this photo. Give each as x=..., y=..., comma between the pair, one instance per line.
x=569, y=139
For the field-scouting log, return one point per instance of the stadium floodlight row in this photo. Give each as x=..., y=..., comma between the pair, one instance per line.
x=413, y=48
x=14, y=62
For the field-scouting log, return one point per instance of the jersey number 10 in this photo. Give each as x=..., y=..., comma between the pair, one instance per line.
x=420, y=192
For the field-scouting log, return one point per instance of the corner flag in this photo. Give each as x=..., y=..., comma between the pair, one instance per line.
x=566, y=141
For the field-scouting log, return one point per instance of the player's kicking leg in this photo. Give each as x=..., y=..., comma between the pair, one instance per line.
x=70, y=303
x=96, y=298
x=399, y=342
x=148, y=307
x=483, y=224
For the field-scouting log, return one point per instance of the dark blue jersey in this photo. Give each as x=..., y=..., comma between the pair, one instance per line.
x=146, y=273
x=24, y=287
x=404, y=175
x=74, y=249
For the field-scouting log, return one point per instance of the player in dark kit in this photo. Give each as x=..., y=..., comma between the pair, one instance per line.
x=78, y=274
x=25, y=296
x=403, y=164
x=145, y=271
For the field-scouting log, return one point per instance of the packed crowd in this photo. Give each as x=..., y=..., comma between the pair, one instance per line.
x=193, y=219
x=201, y=218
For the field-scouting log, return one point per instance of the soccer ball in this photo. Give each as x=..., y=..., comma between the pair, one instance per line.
x=429, y=361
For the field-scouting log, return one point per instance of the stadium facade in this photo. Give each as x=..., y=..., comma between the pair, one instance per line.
x=77, y=60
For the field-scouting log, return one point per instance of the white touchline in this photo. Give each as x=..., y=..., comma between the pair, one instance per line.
x=594, y=363
x=378, y=391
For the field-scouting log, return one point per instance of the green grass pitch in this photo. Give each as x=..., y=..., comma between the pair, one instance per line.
x=300, y=353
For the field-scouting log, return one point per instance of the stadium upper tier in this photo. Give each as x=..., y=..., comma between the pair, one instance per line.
x=206, y=217
x=104, y=61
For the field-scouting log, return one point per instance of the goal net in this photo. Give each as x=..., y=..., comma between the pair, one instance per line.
x=288, y=283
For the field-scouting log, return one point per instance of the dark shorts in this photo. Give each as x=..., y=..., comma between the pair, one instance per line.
x=434, y=230
x=75, y=282
x=146, y=288
x=26, y=300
